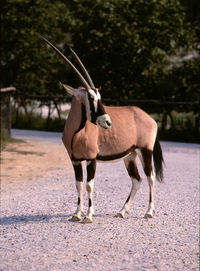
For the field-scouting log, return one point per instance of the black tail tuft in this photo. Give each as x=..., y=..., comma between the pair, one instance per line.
x=158, y=160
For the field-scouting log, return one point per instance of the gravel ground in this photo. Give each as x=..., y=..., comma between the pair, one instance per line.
x=36, y=233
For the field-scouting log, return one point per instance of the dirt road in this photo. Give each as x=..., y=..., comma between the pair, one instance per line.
x=38, y=197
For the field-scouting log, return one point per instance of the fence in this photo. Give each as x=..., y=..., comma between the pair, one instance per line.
x=163, y=108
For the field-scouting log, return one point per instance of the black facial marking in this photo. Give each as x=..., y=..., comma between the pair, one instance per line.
x=78, y=172
x=92, y=109
x=94, y=90
x=100, y=108
x=91, y=168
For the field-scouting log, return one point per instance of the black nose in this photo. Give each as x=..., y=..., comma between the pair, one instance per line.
x=108, y=123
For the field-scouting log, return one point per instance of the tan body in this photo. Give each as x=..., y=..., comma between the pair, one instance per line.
x=95, y=132
x=131, y=128
x=133, y=133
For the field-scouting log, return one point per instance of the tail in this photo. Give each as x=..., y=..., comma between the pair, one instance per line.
x=158, y=160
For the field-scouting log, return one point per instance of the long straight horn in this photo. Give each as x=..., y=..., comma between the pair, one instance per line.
x=85, y=83
x=83, y=68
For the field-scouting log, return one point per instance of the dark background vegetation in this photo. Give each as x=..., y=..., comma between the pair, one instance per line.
x=141, y=50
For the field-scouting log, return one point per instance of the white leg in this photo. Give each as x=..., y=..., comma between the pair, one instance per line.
x=91, y=168
x=151, y=208
x=79, y=186
x=146, y=159
x=131, y=166
x=79, y=210
x=90, y=213
x=135, y=186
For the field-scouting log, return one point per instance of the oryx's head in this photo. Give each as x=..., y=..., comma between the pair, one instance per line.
x=89, y=95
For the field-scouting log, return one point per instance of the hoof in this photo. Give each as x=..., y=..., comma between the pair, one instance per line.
x=119, y=215
x=75, y=218
x=87, y=220
x=148, y=215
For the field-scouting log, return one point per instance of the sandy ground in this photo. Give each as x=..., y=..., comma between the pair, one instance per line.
x=38, y=197
x=30, y=159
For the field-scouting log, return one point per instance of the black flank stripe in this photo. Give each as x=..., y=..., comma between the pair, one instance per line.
x=115, y=155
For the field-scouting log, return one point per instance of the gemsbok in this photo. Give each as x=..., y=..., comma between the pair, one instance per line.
x=94, y=132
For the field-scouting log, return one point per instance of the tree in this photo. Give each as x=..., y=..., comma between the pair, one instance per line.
x=127, y=45
x=26, y=62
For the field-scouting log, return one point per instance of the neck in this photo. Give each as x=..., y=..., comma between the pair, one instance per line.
x=77, y=116
x=75, y=122
x=83, y=118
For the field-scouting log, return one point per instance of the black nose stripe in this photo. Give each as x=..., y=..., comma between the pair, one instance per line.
x=100, y=109
x=108, y=123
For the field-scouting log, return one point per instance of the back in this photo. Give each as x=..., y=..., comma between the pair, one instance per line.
x=131, y=127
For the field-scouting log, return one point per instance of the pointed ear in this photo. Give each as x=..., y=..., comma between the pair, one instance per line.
x=69, y=89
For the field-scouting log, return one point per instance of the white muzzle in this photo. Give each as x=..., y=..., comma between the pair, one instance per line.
x=104, y=121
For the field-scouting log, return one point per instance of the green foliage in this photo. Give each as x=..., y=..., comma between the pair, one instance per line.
x=27, y=64
x=184, y=81
x=36, y=122
x=128, y=46
x=182, y=129
x=129, y=43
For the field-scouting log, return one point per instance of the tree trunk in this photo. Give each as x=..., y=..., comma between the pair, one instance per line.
x=49, y=113
x=172, y=120
x=58, y=109
x=25, y=109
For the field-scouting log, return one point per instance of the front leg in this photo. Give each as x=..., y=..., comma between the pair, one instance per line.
x=79, y=186
x=91, y=168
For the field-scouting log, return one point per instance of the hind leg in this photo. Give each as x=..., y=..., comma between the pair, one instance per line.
x=151, y=209
x=146, y=160
x=131, y=167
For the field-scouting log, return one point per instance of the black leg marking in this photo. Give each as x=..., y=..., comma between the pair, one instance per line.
x=91, y=168
x=90, y=202
x=78, y=172
x=147, y=157
x=133, y=171
x=79, y=200
x=131, y=167
x=128, y=198
x=150, y=197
